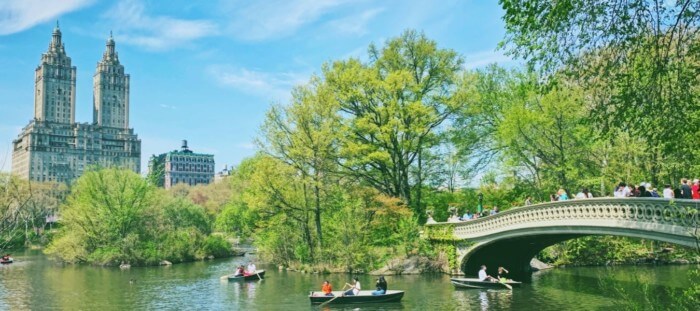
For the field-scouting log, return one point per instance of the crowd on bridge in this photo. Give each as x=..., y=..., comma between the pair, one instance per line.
x=685, y=190
x=468, y=215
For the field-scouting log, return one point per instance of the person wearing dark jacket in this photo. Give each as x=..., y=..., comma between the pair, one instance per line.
x=381, y=286
x=686, y=193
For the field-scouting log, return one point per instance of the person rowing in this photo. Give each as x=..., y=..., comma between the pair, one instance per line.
x=251, y=268
x=355, y=287
x=485, y=277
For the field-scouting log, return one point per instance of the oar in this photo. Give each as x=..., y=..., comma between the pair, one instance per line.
x=334, y=298
x=258, y=274
x=506, y=285
x=225, y=277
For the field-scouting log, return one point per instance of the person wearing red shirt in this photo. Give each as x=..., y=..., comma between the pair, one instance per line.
x=327, y=289
x=695, y=190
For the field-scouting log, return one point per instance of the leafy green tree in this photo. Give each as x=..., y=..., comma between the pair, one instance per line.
x=536, y=135
x=24, y=208
x=213, y=197
x=107, y=211
x=281, y=198
x=394, y=105
x=236, y=216
x=114, y=216
x=638, y=59
x=156, y=170
x=304, y=135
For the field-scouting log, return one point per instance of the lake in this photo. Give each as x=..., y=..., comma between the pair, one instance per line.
x=37, y=283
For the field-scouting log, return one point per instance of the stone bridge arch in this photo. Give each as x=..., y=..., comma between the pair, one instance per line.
x=512, y=238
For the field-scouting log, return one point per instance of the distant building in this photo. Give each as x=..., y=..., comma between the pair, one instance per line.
x=181, y=166
x=52, y=147
x=223, y=174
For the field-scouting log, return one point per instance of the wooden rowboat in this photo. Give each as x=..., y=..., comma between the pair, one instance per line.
x=7, y=261
x=365, y=296
x=258, y=275
x=476, y=283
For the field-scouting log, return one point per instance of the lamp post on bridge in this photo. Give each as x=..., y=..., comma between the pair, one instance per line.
x=480, y=208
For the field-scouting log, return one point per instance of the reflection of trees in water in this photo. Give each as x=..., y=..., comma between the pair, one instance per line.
x=483, y=299
x=243, y=290
x=250, y=289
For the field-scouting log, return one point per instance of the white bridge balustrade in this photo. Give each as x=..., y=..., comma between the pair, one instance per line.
x=515, y=236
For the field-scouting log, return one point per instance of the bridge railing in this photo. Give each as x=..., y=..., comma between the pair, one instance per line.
x=683, y=213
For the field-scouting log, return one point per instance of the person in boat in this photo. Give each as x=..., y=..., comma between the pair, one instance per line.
x=502, y=274
x=251, y=268
x=327, y=289
x=355, y=287
x=240, y=271
x=381, y=286
x=6, y=257
x=485, y=277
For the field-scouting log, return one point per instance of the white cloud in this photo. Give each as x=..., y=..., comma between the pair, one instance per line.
x=261, y=20
x=275, y=86
x=481, y=59
x=355, y=24
x=167, y=106
x=134, y=26
x=18, y=15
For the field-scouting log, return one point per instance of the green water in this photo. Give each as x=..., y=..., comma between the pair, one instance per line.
x=35, y=283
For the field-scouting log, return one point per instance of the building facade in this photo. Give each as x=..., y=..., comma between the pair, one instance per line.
x=181, y=166
x=53, y=147
x=223, y=174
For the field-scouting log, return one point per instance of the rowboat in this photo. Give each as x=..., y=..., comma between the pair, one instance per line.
x=6, y=261
x=258, y=275
x=364, y=296
x=476, y=283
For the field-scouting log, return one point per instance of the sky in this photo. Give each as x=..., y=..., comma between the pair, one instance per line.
x=207, y=71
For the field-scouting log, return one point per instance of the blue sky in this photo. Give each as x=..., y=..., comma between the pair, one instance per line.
x=207, y=71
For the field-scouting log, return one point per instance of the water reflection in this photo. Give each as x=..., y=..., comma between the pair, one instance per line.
x=244, y=290
x=33, y=283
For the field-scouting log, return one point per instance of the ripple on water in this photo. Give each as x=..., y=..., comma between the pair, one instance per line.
x=35, y=283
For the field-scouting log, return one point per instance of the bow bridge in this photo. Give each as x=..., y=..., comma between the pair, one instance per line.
x=512, y=238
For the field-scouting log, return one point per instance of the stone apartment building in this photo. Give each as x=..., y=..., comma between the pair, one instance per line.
x=182, y=166
x=53, y=147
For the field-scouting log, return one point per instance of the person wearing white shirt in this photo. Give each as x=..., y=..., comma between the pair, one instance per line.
x=668, y=192
x=483, y=276
x=622, y=191
x=584, y=194
x=355, y=288
x=251, y=268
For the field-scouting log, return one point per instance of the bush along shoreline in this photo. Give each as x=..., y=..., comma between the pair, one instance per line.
x=114, y=217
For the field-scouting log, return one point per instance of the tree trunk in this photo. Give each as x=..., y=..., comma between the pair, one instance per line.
x=317, y=214
x=419, y=208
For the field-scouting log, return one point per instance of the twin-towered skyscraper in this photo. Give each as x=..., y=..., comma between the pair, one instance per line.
x=53, y=147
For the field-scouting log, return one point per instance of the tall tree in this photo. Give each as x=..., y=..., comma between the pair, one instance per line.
x=283, y=201
x=106, y=212
x=639, y=57
x=25, y=206
x=395, y=104
x=304, y=135
x=536, y=133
